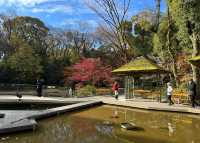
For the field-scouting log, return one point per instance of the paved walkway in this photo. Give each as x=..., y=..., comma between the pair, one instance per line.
x=35, y=99
x=133, y=103
x=147, y=104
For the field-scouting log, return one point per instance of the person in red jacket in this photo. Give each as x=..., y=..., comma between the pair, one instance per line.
x=115, y=89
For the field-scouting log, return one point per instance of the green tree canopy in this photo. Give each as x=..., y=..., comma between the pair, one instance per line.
x=24, y=62
x=31, y=30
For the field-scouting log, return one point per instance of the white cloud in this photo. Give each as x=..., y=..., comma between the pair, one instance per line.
x=53, y=9
x=26, y=3
x=74, y=23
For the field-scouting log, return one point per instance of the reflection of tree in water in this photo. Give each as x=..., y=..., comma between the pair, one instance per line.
x=105, y=129
x=124, y=115
x=58, y=133
x=84, y=131
x=55, y=132
x=159, y=120
x=72, y=132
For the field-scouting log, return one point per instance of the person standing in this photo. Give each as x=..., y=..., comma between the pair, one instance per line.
x=39, y=88
x=115, y=89
x=169, y=93
x=70, y=92
x=72, y=88
x=192, y=92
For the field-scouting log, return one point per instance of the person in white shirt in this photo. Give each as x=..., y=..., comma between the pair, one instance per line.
x=169, y=93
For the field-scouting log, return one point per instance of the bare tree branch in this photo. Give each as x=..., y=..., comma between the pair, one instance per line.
x=114, y=16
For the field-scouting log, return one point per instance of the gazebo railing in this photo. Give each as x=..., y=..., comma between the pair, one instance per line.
x=145, y=90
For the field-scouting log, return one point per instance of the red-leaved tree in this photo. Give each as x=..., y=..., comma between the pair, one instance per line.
x=91, y=70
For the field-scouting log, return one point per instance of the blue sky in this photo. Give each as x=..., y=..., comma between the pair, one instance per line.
x=65, y=13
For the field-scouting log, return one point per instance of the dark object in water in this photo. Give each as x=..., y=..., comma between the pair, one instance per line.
x=128, y=126
x=131, y=126
x=19, y=96
x=2, y=115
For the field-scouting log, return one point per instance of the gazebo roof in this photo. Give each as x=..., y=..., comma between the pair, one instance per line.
x=195, y=61
x=140, y=65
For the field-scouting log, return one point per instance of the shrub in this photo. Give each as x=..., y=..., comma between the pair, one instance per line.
x=87, y=90
x=104, y=91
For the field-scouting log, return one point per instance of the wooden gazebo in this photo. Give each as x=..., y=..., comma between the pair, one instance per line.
x=138, y=67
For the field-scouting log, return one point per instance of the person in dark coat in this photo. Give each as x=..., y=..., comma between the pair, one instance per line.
x=39, y=88
x=192, y=92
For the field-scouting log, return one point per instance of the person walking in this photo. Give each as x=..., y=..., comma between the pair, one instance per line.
x=169, y=93
x=115, y=89
x=192, y=92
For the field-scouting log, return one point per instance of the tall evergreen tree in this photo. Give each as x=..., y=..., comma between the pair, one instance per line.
x=187, y=17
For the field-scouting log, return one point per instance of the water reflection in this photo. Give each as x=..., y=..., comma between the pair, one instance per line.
x=105, y=129
x=171, y=129
x=97, y=125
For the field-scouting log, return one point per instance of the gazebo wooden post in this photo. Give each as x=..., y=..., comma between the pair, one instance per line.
x=126, y=87
x=160, y=96
x=133, y=82
x=129, y=87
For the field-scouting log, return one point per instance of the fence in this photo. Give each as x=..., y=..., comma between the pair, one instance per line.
x=28, y=89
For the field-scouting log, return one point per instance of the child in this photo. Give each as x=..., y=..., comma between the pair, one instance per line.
x=169, y=93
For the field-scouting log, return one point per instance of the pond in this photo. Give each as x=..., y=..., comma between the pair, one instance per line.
x=19, y=106
x=98, y=125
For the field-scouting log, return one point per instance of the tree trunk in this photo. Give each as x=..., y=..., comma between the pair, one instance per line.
x=170, y=49
x=174, y=69
x=157, y=13
x=195, y=70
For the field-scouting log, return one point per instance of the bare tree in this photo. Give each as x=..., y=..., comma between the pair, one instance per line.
x=81, y=42
x=57, y=45
x=114, y=14
x=61, y=44
x=5, y=34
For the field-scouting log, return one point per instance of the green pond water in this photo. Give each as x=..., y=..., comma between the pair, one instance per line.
x=97, y=125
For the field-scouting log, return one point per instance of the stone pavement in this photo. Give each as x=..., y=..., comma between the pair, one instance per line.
x=133, y=103
x=146, y=104
x=35, y=99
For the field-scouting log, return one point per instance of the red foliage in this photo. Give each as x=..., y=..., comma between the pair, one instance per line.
x=91, y=70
